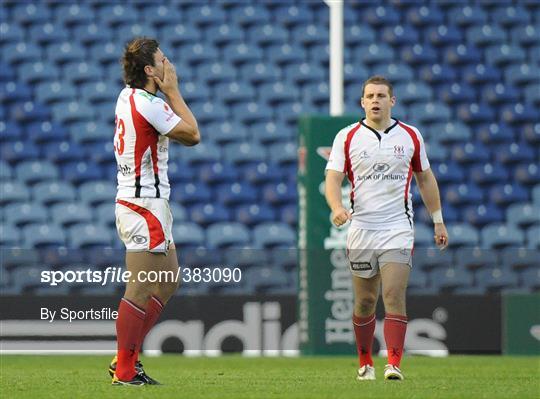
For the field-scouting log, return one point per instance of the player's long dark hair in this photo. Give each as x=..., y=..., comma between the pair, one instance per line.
x=137, y=54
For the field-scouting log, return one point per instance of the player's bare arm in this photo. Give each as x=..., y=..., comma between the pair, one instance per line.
x=333, y=182
x=187, y=130
x=429, y=190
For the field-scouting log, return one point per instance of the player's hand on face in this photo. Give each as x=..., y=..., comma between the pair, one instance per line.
x=340, y=216
x=441, y=236
x=169, y=83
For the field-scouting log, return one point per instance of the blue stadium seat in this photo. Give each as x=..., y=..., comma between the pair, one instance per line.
x=30, y=172
x=251, y=214
x=6, y=172
x=283, y=153
x=396, y=72
x=161, y=14
x=495, y=133
x=227, y=234
x=15, y=151
x=81, y=172
x=25, y=280
x=287, y=53
x=448, y=172
x=20, y=214
x=10, y=131
x=48, y=33
x=15, y=53
x=419, y=54
x=488, y=173
x=468, y=15
x=409, y=93
x=480, y=215
x=89, y=235
x=19, y=256
x=451, y=132
x=106, y=214
x=10, y=33
x=200, y=154
x=236, y=193
x=437, y=73
x=249, y=14
x=424, y=16
x=470, y=153
x=505, y=54
x=104, y=52
x=431, y=112
x=126, y=32
x=63, y=151
x=474, y=258
x=270, y=235
x=188, y=234
x=30, y=13
x=527, y=174
x=520, y=258
x=74, y=111
x=253, y=112
x=533, y=237
x=10, y=236
x=210, y=112
x=523, y=214
x=43, y=235
x=293, y=15
x=417, y=280
x=280, y=193
x=36, y=72
x=262, y=173
x=92, y=33
x=55, y=91
x=239, y=53
x=29, y=111
x=191, y=193
x=462, y=234
x=514, y=153
x=91, y=132
x=531, y=278
x=462, y=54
x=225, y=132
x=506, y=194
x=13, y=192
x=526, y=35
x=447, y=279
x=476, y=113
x=268, y=34
x=218, y=173
x=205, y=214
x=423, y=235
x=277, y=93
x=264, y=278
x=289, y=214
x=179, y=171
x=205, y=15
x=456, y=93
x=522, y=75
x=400, y=35
x=181, y=33
x=49, y=193
x=532, y=94
x=7, y=74
x=196, y=91
x=484, y=35
x=74, y=14
x=97, y=192
x=233, y=92
x=464, y=194
x=500, y=235
x=118, y=14
x=67, y=214
x=429, y=258
x=375, y=54
x=497, y=278
x=310, y=34
x=216, y=72
x=358, y=34
x=316, y=93
x=15, y=91
x=519, y=113
x=64, y=52
x=381, y=16
x=500, y=94
x=444, y=35
x=511, y=16
x=96, y=92
x=303, y=73
x=260, y=72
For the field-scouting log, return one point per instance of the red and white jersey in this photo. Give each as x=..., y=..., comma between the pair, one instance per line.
x=380, y=166
x=140, y=145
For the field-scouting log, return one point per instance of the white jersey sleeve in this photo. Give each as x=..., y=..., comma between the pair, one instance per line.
x=336, y=161
x=159, y=114
x=421, y=162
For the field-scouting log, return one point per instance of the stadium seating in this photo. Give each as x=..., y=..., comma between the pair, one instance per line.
x=464, y=72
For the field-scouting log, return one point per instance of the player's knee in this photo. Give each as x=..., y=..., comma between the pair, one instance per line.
x=393, y=297
x=138, y=293
x=365, y=306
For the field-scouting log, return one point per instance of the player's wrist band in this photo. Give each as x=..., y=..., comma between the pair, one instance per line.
x=437, y=216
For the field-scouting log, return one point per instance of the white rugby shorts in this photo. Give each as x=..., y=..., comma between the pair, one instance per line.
x=144, y=224
x=368, y=250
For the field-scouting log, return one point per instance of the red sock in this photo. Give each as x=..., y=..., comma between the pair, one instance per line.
x=128, y=331
x=153, y=310
x=364, y=328
x=395, y=327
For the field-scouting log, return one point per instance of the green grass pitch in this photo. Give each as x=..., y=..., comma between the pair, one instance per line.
x=305, y=377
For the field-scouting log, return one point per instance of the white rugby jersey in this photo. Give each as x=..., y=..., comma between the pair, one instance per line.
x=379, y=166
x=140, y=147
